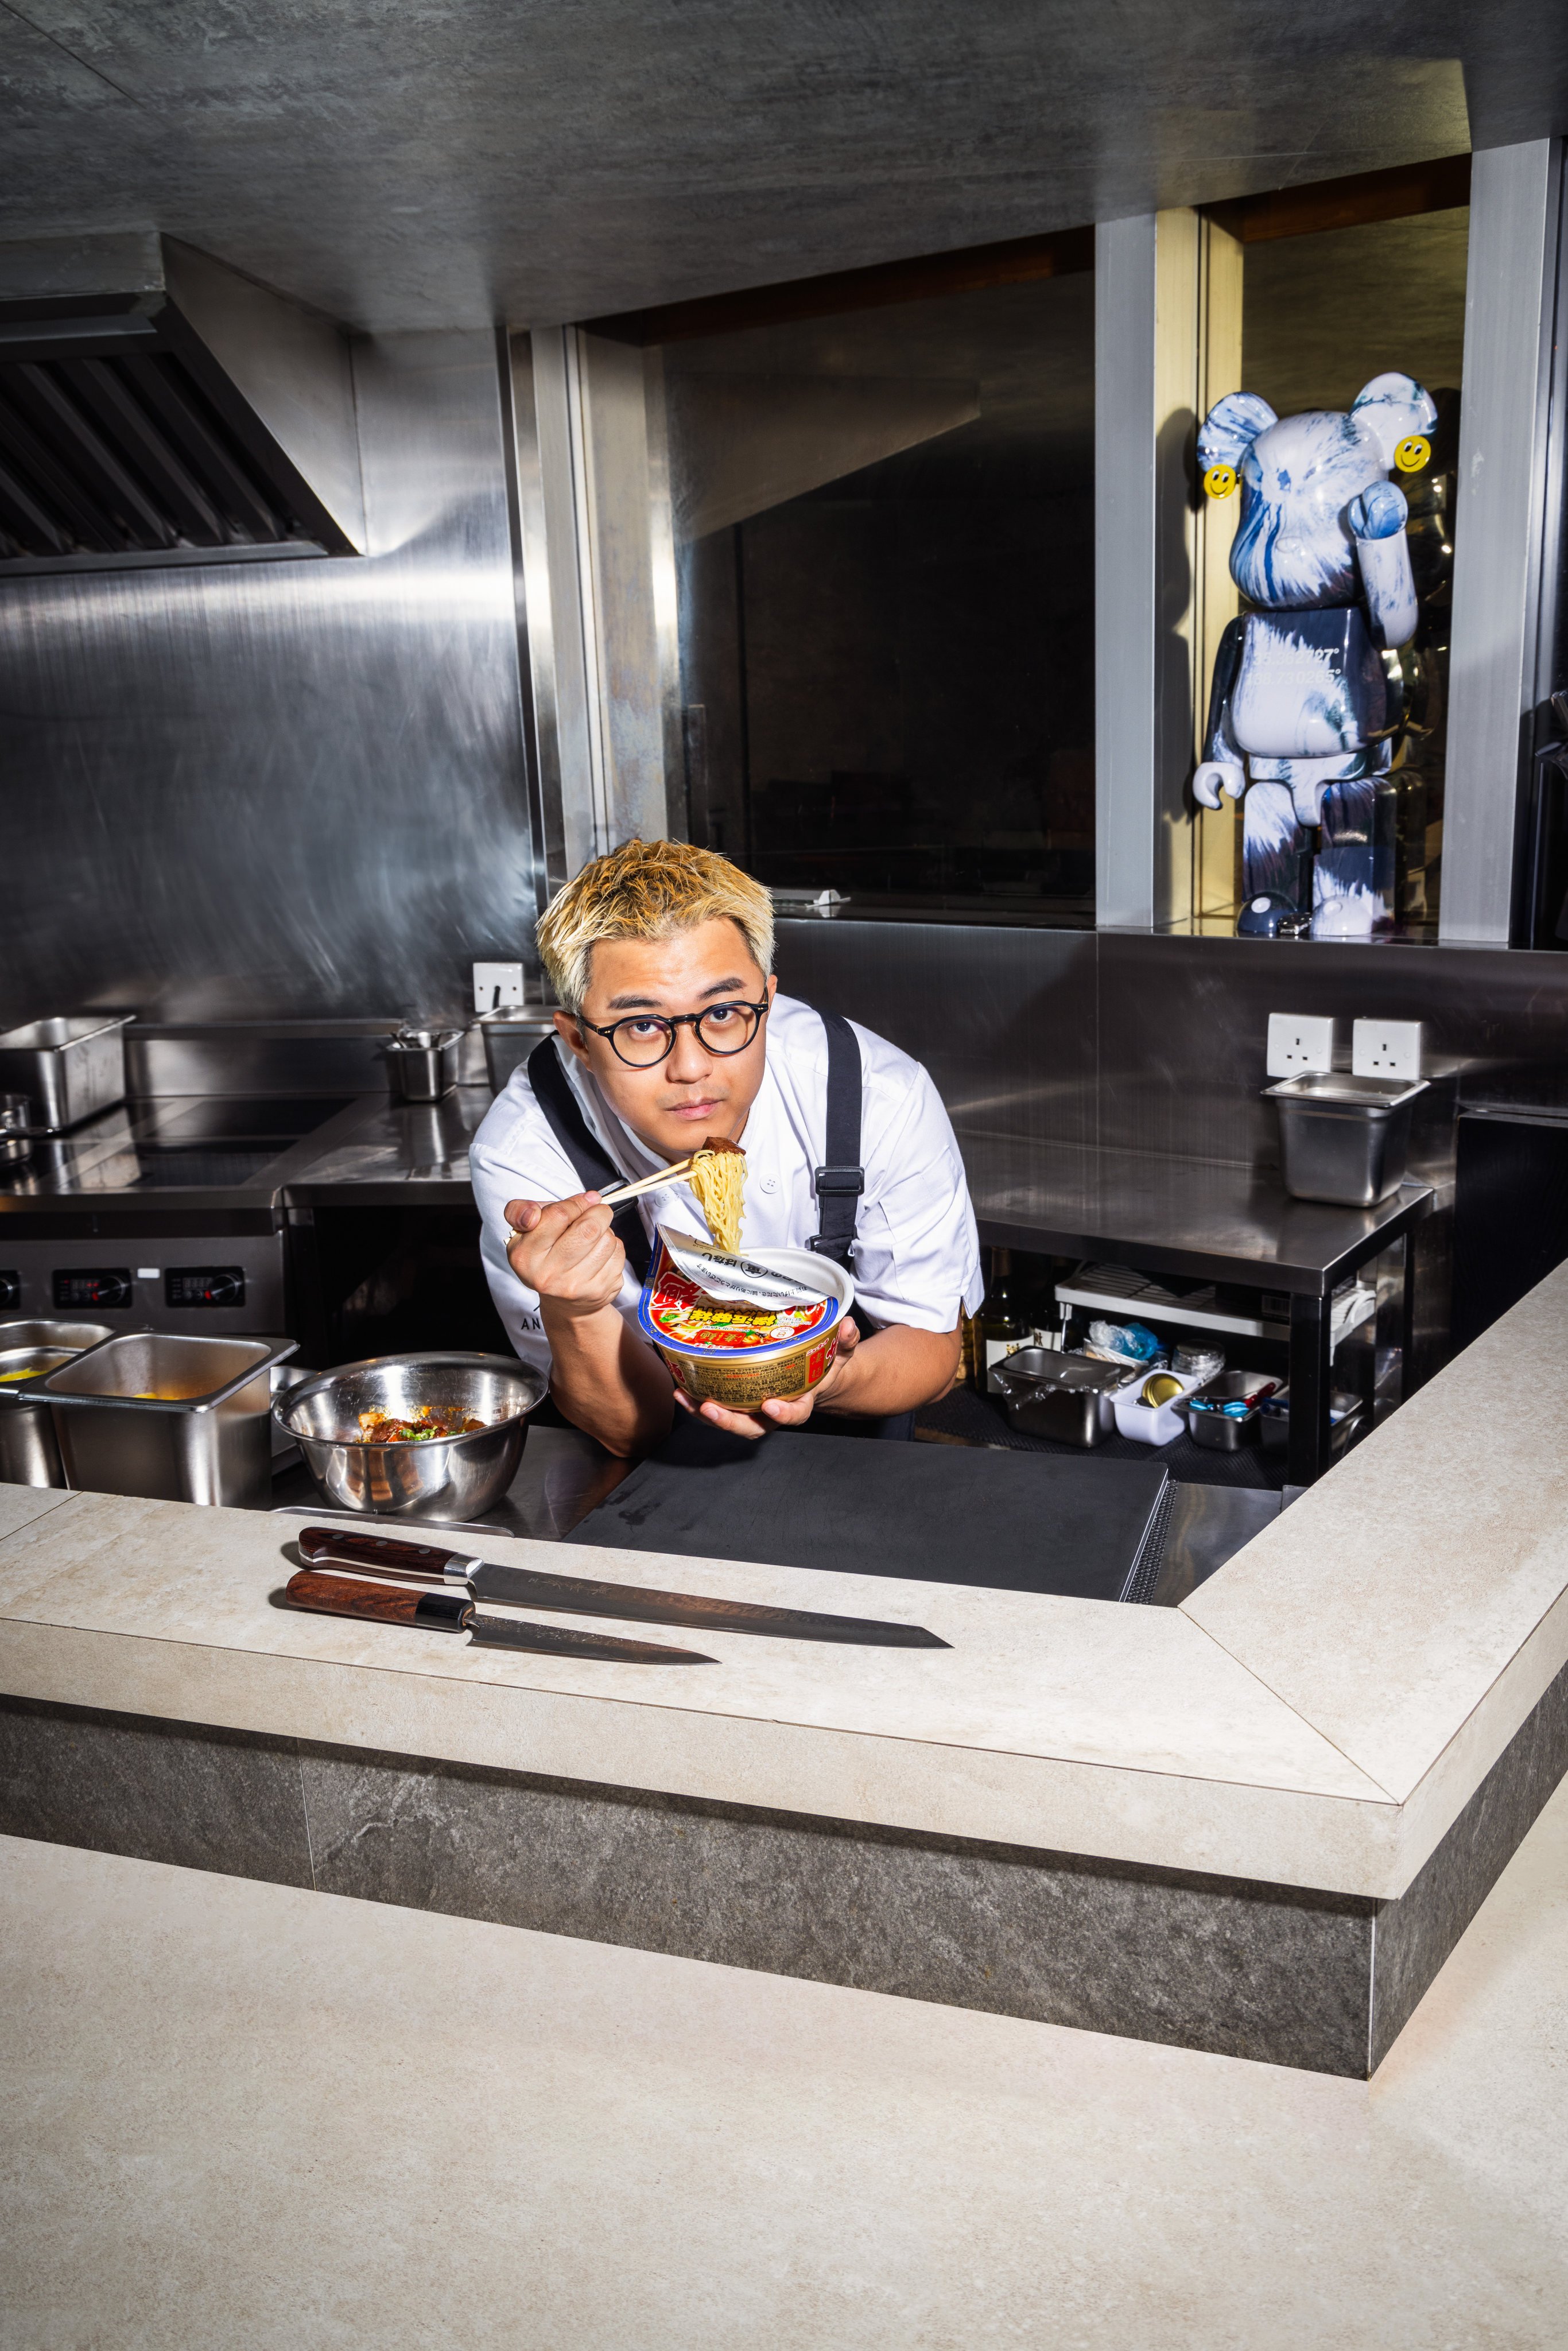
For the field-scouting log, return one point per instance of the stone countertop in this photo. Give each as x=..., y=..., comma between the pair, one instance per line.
x=1316, y=1713
x=690, y=2157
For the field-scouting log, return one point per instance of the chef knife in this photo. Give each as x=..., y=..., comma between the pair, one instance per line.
x=582, y=1595
x=454, y=1612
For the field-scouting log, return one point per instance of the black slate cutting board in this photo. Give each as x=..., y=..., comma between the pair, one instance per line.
x=936, y=1513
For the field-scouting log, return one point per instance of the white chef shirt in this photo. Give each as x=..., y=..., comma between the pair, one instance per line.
x=917, y=1257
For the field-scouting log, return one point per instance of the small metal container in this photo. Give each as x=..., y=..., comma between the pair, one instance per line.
x=434, y=1477
x=1347, y=1418
x=1342, y=1138
x=1210, y=1425
x=29, y=1454
x=510, y=1035
x=421, y=1063
x=68, y=1068
x=1065, y=1398
x=175, y=1418
x=15, y=1118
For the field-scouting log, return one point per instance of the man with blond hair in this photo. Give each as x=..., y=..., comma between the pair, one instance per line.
x=671, y=1030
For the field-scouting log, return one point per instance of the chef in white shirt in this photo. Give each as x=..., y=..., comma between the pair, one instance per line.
x=673, y=1031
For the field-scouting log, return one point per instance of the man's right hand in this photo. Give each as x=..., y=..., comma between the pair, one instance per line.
x=565, y=1252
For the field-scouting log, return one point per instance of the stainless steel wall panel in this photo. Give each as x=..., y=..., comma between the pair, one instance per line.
x=1183, y=1026
x=1004, y=1020
x=1051, y=1040
x=248, y=1058
x=290, y=788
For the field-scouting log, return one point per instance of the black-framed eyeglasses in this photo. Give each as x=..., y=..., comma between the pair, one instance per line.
x=644, y=1040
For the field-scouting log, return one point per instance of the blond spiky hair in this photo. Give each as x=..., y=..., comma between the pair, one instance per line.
x=648, y=890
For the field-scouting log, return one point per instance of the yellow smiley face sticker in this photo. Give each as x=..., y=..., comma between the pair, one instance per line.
x=1220, y=481
x=1413, y=453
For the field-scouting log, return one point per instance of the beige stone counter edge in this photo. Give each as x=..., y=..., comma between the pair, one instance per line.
x=1160, y=1819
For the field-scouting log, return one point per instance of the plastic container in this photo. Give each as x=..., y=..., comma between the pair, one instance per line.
x=1152, y=1424
x=745, y=1376
x=1342, y=1138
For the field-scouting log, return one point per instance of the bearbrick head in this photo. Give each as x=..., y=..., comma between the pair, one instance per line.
x=1293, y=549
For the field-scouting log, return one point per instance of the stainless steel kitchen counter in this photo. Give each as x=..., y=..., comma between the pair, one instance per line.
x=565, y=1474
x=386, y=1154
x=1196, y=1217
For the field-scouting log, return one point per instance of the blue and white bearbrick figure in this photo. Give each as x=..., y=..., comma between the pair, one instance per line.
x=1304, y=711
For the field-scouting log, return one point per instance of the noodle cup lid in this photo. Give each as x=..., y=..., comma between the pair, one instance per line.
x=671, y=1298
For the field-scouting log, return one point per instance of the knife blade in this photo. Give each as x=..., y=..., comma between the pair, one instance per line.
x=582, y=1595
x=454, y=1612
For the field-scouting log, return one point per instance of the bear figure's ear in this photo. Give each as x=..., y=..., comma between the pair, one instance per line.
x=1394, y=408
x=1229, y=429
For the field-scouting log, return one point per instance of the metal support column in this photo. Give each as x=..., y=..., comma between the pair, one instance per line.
x=1498, y=529
x=1312, y=1368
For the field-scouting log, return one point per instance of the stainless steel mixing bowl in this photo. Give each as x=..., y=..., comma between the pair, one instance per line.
x=428, y=1478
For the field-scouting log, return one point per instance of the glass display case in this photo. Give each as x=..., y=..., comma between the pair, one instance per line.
x=1329, y=302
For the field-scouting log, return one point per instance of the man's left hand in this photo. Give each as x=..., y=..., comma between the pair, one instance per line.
x=781, y=1412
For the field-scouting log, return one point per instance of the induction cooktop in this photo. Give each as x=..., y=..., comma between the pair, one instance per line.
x=177, y=1143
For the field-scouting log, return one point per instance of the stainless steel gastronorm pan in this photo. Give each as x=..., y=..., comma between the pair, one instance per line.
x=1344, y=1138
x=68, y=1068
x=29, y=1454
x=174, y=1417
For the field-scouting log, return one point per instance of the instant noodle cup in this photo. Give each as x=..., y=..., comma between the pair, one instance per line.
x=740, y=1354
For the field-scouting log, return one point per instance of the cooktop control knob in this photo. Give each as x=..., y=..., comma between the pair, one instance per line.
x=204, y=1285
x=97, y=1286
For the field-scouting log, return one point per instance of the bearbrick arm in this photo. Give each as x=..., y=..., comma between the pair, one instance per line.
x=1377, y=520
x=1221, y=769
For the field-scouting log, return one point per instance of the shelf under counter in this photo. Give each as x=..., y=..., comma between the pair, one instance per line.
x=1210, y=1220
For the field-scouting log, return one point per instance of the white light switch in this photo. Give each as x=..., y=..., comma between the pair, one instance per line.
x=1299, y=1041
x=496, y=984
x=1386, y=1049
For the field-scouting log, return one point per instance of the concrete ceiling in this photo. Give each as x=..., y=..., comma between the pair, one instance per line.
x=410, y=164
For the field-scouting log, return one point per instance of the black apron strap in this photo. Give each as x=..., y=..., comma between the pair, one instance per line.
x=841, y=1179
x=595, y=1169
x=841, y=1182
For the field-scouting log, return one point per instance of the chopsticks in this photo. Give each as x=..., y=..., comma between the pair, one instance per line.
x=630, y=1191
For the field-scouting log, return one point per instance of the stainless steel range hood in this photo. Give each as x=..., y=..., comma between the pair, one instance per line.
x=156, y=407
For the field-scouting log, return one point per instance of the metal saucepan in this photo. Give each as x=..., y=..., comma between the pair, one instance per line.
x=434, y=1477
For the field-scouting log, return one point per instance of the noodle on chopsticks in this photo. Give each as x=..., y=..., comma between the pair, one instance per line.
x=717, y=1178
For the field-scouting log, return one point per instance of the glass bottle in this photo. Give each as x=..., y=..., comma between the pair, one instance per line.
x=1002, y=1327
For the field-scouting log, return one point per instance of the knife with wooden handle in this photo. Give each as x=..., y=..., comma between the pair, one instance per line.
x=454, y=1612
x=583, y=1595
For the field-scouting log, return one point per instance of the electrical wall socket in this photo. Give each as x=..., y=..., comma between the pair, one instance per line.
x=496, y=984
x=1299, y=1041
x=1386, y=1049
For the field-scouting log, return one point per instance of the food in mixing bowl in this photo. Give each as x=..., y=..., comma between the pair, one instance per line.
x=417, y=1428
